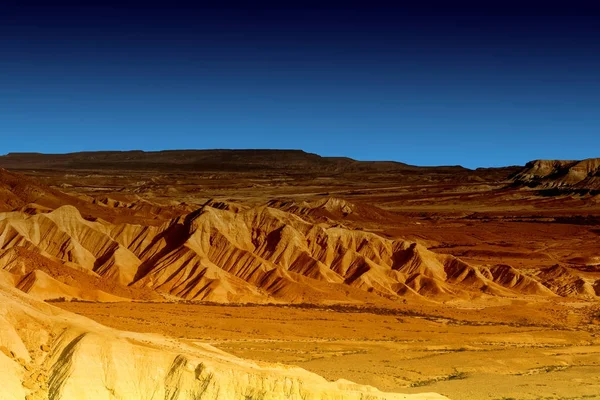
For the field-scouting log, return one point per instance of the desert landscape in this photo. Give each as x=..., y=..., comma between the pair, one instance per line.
x=272, y=274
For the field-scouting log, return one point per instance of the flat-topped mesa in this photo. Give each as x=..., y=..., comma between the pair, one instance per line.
x=216, y=160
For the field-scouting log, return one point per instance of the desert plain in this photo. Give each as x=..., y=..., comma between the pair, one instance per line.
x=438, y=282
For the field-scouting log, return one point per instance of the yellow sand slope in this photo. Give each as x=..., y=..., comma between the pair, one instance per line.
x=50, y=353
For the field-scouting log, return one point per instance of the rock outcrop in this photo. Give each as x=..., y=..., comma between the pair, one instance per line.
x=581, y=175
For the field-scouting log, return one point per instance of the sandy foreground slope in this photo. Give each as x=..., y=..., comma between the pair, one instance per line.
x=48, y=353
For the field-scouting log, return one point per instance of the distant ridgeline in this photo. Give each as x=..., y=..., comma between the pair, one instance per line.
x=208, y=160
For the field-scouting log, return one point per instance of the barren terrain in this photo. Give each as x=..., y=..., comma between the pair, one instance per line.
x=520, y=350
x=472, y=284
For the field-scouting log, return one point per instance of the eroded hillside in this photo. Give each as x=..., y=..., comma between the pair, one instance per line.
x=227, y=252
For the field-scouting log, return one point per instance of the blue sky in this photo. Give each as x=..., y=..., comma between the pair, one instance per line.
x=469, y=86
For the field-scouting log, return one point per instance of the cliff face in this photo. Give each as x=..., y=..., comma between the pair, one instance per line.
x=46, y=353
x=560, y=174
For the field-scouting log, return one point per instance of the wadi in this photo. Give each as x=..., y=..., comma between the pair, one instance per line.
x=281, y=274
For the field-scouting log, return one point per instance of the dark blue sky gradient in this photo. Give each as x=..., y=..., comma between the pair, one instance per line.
x=471, y=84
